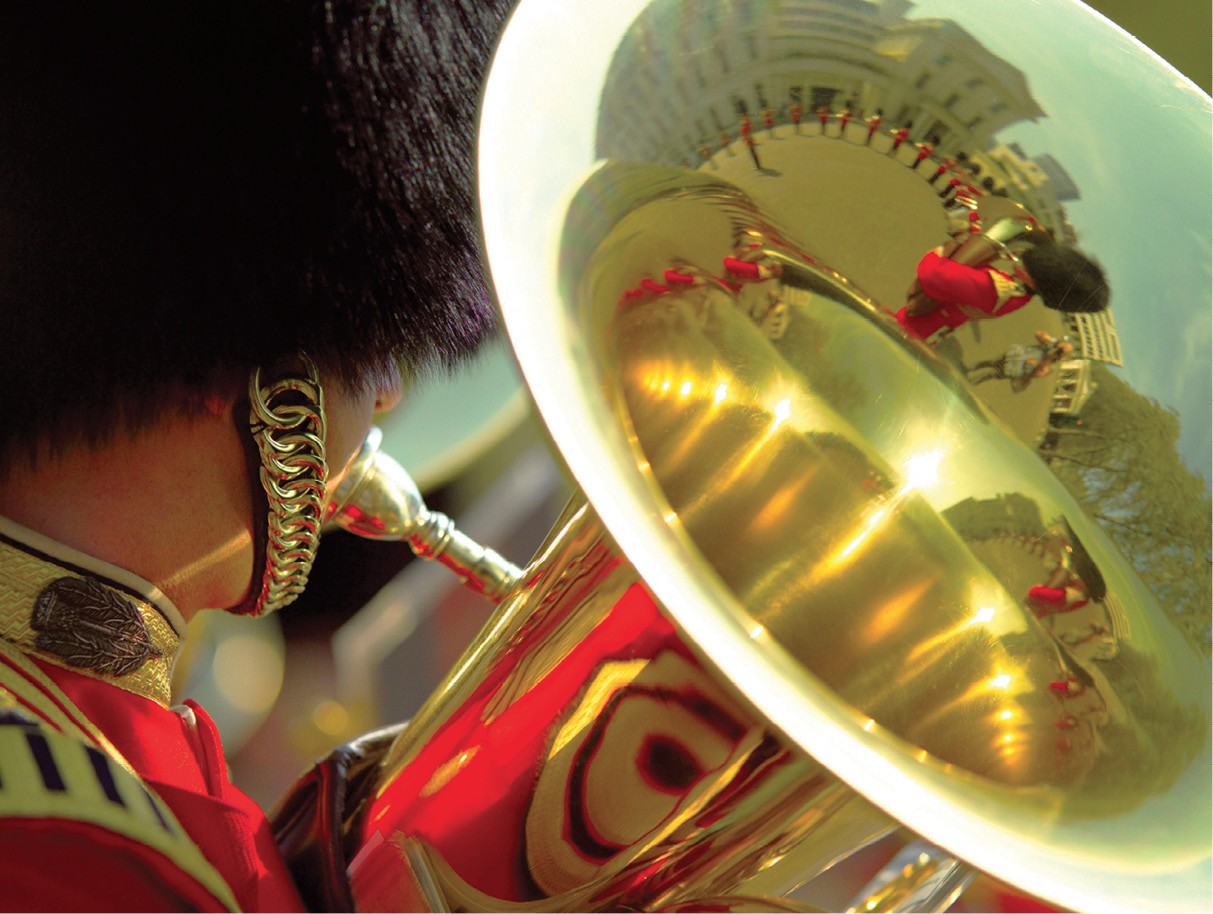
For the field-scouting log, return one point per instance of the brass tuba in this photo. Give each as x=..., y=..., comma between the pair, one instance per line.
x=821, y=582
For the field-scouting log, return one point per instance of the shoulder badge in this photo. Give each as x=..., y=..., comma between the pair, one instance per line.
x=90, y=626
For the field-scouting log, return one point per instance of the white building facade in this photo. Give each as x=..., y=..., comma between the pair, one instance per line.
x=688, y=71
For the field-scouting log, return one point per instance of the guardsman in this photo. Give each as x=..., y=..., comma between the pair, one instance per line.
x=948, y=293
x=873, y=122
x=211, y=304
x=900, y=135
x=844, y=117
x=823, y=115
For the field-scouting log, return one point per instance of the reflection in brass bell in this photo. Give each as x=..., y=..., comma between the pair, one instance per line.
x=822, y=581
x=775, y=456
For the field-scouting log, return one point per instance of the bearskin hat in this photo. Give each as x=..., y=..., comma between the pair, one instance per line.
x=1066, y=279
x=189, y=190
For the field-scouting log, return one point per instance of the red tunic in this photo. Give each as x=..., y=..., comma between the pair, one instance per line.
x=964, y=293
x=71, y=838
x=55, y=864
x=182, y=760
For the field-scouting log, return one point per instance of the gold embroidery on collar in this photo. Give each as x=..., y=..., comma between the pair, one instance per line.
x=24, y=578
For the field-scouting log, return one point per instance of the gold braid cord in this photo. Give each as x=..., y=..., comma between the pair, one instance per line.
x=287, y=420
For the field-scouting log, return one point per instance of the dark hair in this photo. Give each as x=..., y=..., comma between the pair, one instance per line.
x=192, y=189
x=1066, y=279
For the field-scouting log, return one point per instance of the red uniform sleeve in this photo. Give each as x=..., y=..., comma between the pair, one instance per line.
x=66, y=865
x=956, y=284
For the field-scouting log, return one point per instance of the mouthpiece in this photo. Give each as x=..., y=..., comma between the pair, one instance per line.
x=377, y=499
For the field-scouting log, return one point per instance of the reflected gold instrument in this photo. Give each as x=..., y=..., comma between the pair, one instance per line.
x=816, y=586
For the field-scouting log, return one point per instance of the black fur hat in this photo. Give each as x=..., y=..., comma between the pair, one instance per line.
x=191, y=189
x=1066, y=279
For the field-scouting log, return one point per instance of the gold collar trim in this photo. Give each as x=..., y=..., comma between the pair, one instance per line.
x=86, y=615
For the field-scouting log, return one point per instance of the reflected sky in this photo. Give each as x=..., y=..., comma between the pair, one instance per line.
x=1138, y=146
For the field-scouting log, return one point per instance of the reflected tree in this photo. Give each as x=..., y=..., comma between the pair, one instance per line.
x=1123, y=465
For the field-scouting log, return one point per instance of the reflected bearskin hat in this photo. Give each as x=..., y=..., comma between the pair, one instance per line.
x=188, y=190
x=1066, y=279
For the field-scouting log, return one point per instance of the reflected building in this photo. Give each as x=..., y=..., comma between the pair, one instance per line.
x=1006, y=514
x=1095, y=336
x=1064, y=188
x=1039, y=183
x=1095, y=340
x=959, y=91
x=836, y=53
x=1073, y=388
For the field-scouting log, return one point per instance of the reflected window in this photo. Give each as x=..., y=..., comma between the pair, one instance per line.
x=823, y=95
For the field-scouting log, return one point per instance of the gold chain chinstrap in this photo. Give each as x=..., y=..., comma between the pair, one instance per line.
x=287, y=419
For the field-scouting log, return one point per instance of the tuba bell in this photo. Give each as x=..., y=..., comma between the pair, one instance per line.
x=817, y=585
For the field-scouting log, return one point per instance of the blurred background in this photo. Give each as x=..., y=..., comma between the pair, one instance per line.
x=377, y=630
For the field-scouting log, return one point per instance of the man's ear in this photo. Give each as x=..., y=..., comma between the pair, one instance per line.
x=217, y=405
x=226, y=394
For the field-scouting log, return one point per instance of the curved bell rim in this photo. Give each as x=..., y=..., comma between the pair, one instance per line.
x=550, y=201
